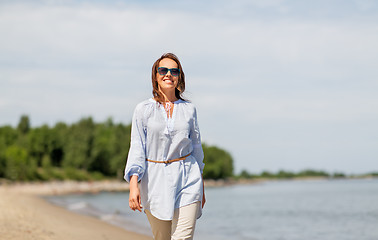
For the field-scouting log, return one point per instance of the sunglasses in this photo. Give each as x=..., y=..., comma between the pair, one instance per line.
x=163, y=71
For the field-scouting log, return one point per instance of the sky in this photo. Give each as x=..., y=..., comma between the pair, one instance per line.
x=281, y=85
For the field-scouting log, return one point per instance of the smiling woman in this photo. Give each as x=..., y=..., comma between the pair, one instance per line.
x=306, y=82
x=166, y=156
x=167, y=74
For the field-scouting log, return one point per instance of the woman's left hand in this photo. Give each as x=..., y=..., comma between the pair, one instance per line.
x=203, y=193
x=203, y=198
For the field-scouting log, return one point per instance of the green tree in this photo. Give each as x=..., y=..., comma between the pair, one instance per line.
x=121, y=149
x=285, y=174
x=312, y=173
x=78, y=150
x=39, y=143
x=83, y=150
x=8, y=137
x=58, y=135
x=244, y=174
x=218, y=163
x=103, y=149
x=338, y=175
x=18, y=165
x=24, y=125
x=3, y=148
x=267, y=174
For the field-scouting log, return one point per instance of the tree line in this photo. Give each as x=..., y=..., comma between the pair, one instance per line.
x=282, y=174
x=84, y=150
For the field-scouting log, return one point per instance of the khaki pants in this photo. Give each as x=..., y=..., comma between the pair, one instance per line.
x=180, y=228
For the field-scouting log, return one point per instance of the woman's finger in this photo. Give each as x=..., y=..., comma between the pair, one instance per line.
x=132, y=205
x=138, y=205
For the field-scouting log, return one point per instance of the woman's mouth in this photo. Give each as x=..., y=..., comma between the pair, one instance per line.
x=168, y=81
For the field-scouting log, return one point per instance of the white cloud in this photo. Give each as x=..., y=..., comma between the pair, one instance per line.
x=64, y=61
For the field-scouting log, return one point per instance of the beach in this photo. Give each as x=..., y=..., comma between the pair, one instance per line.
x=25, y=215
x=298, y=209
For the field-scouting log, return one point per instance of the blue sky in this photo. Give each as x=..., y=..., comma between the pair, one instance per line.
x=279, y=84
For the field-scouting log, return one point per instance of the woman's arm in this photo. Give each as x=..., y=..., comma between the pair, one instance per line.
x=134, y=197
x=195, y=136
x=203, y=193
x=136, y=157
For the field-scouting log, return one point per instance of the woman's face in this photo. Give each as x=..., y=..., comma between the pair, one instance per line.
x=167, y=81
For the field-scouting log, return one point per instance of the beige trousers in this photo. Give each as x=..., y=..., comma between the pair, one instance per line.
x=180, y=228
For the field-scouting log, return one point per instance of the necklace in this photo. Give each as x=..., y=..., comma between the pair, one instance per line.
x=168, y=107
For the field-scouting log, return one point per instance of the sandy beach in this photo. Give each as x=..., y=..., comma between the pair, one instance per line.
x=25, y=215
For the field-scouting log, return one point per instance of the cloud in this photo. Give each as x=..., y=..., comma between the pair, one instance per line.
x=252, y=67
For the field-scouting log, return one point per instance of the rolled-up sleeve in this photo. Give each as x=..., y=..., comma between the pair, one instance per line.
x=195, y=136
x=136, y=159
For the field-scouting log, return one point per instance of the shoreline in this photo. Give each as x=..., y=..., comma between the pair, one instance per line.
x=25, y=215
x=52, y=188
x=66, y=187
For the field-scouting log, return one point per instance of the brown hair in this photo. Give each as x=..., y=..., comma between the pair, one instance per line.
x=158, y=95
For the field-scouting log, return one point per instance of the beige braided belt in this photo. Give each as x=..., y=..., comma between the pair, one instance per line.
x=169, y=161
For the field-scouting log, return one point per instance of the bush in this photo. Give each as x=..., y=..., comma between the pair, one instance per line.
x=218, y=163
x=18, y=166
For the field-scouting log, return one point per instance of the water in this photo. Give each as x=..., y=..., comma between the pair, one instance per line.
x=283, y=210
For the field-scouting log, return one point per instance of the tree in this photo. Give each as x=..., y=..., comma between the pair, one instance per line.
x=313, y=173
x=3, y=148
x=121, y=149
x=78, y=150
x=218, y=163
x=285, y=174
x=8, y=137
x=245, y=174
x=83, y=150
x=18, y=165
x=58, y=139
x=39, y=143
x=102, y=149
x=24, y=125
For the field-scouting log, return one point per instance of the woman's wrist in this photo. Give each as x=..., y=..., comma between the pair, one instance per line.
x=133, y=181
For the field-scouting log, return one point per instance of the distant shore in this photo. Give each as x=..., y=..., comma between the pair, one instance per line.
x=72, y=187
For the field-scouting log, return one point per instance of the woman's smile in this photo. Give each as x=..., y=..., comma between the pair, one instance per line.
x=167, y=81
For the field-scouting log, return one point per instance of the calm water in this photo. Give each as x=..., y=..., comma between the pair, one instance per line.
x=323, y=209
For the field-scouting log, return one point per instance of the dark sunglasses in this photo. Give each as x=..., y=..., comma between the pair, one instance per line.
x=163, y=71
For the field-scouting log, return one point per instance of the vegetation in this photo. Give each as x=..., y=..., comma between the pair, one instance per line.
x=244, y=174
x=219, y=163
x=82, y=151
x=92, y=151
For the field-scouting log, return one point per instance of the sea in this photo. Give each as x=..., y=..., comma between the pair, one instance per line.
x=344, y=209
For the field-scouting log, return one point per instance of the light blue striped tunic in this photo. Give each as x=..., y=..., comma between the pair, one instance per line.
x=154, y=136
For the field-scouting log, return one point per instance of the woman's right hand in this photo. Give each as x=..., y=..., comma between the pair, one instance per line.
x=134, y=197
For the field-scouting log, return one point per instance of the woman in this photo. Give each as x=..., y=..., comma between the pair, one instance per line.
x=166, y=156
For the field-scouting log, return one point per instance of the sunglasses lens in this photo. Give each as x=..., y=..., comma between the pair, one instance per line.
x=162, y=70
x=175, y=72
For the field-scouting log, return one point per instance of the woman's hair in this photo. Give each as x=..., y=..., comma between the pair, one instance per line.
x=158, y=95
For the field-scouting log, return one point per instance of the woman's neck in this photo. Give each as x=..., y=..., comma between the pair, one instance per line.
x=169, y=96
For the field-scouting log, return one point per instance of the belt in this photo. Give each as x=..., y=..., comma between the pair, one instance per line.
x=169, y=161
